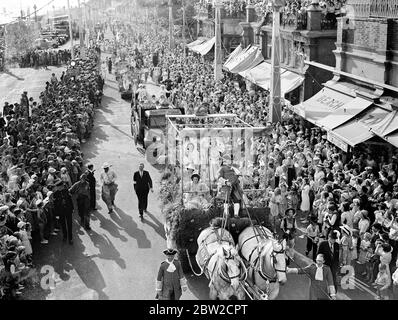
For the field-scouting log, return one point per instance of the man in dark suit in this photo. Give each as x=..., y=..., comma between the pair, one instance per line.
x=322, y=285
x=142, y=185
x=92, y=183
x=63, y=206
x=330, y=250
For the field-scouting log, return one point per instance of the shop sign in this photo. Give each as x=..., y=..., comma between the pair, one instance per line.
x=337, y=141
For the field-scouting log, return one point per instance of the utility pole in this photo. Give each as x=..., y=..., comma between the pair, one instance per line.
x=81, y=37
x=275, y=112
x=35, y=8
x=171, y=25
x=217, y=47
x=183, y=29
x=70, y=31
x=146, y=19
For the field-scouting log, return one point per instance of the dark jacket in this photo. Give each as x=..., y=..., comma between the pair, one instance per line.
x=331, y=258
x=91, y=179
x=142, y=185
x=319, y=290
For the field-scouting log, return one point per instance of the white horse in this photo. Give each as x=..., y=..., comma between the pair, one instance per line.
x=265, y=259
x=221, y=263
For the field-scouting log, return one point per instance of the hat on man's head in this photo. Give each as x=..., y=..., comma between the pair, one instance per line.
x=21, y=224
x=51, y=170
x=106, y=165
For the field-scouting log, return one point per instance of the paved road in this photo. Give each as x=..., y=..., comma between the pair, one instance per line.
x=17, y=80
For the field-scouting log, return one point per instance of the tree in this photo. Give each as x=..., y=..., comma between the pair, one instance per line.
x=20, y=38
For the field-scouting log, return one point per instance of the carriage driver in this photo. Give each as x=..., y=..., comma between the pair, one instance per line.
x=229, y=176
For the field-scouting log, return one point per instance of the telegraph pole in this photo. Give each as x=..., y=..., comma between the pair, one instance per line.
x=183, y=29
x=35, y=8
x=217, y=47
x=275, y=112
x=70, y=31
x=171, y=25
x=81, y=37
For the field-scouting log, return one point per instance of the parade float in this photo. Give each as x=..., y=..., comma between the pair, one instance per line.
x=194, y=200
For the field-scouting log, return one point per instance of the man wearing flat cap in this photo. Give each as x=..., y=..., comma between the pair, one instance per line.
x=170, y=281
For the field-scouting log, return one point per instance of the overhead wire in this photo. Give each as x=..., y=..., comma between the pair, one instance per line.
x=31, y=14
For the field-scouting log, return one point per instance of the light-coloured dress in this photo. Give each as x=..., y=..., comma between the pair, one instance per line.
x=305, y=198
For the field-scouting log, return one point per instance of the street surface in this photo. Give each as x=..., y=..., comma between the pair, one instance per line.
x=16, y=80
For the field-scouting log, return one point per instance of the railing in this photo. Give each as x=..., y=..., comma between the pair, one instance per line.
x=297, y=21
x=329, y=22
x=373, y=8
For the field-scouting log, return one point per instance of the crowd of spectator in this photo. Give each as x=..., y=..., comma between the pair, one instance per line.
x=350, y=199
x=40, y=158
x=353, y=198
x=43, y=58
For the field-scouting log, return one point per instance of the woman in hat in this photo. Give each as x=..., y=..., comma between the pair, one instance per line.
x=346, y=245
x=196, y=194
x=170, y=281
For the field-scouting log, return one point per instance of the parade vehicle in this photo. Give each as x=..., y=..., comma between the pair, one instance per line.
x=205, y=222
x=148, y=125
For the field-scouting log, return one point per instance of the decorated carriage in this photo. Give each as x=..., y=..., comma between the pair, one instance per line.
x=204, y=222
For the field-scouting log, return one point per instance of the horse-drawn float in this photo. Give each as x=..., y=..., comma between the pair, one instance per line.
x=218, y=224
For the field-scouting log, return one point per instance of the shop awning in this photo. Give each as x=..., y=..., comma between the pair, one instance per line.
x=393, y=139
x=359, y=130
x=245, y=60
x=196, y=42
x=290, y=81
x=387, y=126
x=324, y=103
x=261, y=76
x=353, y=133
x=345, y=113
x=233, y=55
x=205, y=47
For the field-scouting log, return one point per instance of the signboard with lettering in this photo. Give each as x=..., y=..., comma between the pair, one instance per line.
x=337, y=141
x=330, y=102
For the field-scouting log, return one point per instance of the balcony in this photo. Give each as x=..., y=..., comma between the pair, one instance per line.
x=298, y=21
x=295, y=21
x=373, y=8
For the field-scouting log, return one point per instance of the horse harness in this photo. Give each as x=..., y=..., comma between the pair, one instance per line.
x=223, y=273
x=256, y=265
